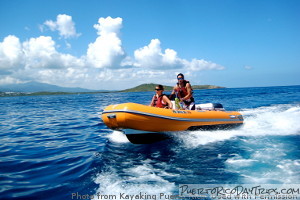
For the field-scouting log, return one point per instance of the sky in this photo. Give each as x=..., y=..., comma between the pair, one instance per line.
x=118, y=44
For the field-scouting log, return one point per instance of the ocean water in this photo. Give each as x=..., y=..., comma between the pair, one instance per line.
x=57, y=147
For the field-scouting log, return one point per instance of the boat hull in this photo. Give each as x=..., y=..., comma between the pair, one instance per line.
x=132, y=116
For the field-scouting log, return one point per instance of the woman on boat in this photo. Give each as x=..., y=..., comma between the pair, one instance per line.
x=184, y=92
x=160, y=100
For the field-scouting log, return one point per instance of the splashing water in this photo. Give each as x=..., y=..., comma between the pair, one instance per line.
x=265, y=157
x=275, y=120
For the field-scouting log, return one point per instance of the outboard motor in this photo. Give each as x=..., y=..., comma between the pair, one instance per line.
x=210, y=106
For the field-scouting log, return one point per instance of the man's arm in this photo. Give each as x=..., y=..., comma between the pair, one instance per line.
x=166, y=99
x=173, y=92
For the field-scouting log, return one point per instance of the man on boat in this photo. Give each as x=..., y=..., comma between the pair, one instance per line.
x=183, y=90
x=160, y=100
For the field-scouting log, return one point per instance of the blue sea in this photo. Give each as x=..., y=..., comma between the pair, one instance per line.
x=57, y=147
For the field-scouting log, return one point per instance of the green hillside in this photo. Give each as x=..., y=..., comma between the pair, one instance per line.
x=151, y=86
x=140, y=88
x=146, y=87
x=197, y=87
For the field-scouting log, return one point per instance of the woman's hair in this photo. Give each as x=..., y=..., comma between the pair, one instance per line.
x=160, y=87
x=180, y=74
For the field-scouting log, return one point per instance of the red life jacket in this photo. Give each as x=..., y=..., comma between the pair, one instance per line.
x=182, y=91
x=158, y=101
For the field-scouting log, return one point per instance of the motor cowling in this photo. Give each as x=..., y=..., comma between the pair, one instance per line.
x=210, y=106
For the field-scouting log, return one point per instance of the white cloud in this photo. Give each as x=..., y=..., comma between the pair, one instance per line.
x=23, y=61
x=41, y=53
x=152, y=57
x=10, y=52
x=68, y=45
x=108, y=25
x=9, y=80
x=67, y=77
x=51, y=24
x=64, y=25
x=107, y=51
x=105, y=64
x=248, y=67
x=200, y=65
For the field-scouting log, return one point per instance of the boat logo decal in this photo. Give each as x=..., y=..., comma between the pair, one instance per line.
x=181, y=112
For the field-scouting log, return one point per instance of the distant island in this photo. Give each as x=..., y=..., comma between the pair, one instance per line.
x=151, y=86
x=145, y=88
x=56, y=90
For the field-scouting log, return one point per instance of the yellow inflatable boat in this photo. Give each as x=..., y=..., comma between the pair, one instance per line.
x=138, y=121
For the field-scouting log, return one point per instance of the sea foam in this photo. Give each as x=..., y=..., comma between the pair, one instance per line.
x=263, y=121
